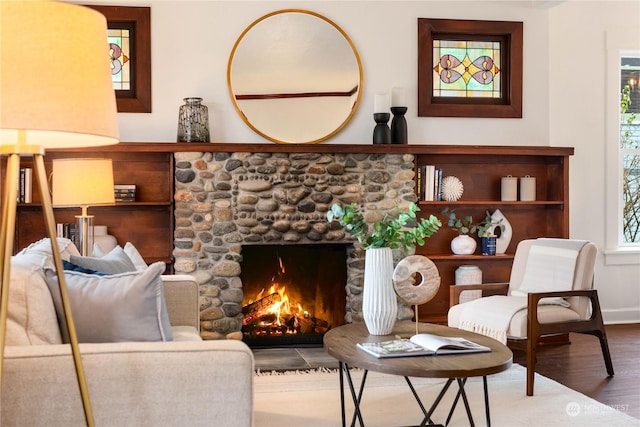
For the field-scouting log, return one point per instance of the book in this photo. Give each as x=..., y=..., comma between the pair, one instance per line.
x=438, y=185
x=127, y=187
x=21, y=186
x=25, y=178
x=422, y=345
x=28, y=191
x=125, y=192
x=68, y=230
x=429, y=183
x=419, y=182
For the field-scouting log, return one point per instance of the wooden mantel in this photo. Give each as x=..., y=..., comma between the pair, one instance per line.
x=141, y=147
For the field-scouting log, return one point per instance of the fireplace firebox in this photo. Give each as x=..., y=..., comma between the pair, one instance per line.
x=292, y=294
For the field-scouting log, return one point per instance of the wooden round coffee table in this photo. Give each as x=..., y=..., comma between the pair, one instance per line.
x=341, y=344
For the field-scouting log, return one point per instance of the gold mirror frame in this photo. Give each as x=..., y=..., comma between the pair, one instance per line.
x=294, y=108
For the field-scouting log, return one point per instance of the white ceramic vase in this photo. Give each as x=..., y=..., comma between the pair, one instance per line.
x=379, y=303
x=502, y=242
x=105, y=241
x=463, y=244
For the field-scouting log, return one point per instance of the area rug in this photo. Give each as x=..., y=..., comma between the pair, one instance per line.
x=312, y=399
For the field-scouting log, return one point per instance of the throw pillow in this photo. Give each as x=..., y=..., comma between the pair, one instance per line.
x=135, y=256
x=43, y=247
x=131, y=252
x=120, y=307
x=31, y=318
x=114, y=262
x=72, y=267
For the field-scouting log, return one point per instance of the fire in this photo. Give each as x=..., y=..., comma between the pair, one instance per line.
x=272, y=309
x=281, y=307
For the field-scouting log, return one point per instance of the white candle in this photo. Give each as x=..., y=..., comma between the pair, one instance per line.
x=380, y=103
x=398, y=97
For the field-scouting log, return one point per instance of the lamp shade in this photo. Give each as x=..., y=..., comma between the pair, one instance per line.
x=55, y=77
x=82, y=182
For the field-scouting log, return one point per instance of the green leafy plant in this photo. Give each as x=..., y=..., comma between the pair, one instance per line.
x=487, y=228
x=463, y=225
x=397, y=229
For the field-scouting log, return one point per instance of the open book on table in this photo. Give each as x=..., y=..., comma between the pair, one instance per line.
x=422, y=345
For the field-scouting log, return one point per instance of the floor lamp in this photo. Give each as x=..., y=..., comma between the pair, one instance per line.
x=83, y=183
x=50, y=100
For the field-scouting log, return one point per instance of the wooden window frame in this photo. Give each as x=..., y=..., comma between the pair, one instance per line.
x=509, y=34
x=138, y=19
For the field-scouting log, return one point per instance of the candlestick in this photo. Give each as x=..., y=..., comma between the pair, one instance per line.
x=381, y=133
x=399, y=126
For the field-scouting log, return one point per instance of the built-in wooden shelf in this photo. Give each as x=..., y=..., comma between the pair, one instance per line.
x=480, y=169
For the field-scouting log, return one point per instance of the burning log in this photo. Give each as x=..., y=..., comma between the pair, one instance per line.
x=307, y=325
x=274, y=315
x=264, y=319
x=322, y=326
x=257, y=308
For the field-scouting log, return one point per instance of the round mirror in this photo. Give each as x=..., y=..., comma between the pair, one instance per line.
x=295, y=77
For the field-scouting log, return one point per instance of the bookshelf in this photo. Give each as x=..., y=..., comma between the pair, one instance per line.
x=480, y=169
x=147, y=222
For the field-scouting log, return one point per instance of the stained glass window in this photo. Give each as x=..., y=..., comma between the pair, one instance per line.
x=466, y=69
x=119, y=53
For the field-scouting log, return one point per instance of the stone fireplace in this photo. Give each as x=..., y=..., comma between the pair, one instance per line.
x=225, y=201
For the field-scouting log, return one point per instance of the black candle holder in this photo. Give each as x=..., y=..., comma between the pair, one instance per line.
x=381, y=133
x=398, y=126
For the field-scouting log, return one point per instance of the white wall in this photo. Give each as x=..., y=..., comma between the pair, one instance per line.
x=191, y=43
x=577, y=118
x=562, y=93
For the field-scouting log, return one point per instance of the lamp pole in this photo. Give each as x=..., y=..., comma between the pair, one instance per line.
x=7, y=236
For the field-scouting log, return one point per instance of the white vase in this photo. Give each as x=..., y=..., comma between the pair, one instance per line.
x=469, y=275
x=379, y=303
x=463, y=244
x=502, y=242
x=105, y=241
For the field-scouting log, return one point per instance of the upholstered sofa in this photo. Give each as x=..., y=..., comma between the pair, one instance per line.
x=185, y=381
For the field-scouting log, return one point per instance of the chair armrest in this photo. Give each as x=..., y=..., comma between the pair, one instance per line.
x=535, y=297
x=535, y=328
x=182, y=297
x=487, y=289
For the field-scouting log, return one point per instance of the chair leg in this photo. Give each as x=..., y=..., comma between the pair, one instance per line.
x=604, y=345
x=531, y=364
x=533, y=336
x=601, y=333
x=605, y=353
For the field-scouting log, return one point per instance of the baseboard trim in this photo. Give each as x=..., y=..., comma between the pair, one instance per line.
x=627, y=315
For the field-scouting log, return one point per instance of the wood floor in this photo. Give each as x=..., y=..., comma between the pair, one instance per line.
x=580, y=366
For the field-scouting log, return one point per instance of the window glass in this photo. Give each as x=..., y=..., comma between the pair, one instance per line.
x=466, y=69
x=119, y=54
x=630, y=148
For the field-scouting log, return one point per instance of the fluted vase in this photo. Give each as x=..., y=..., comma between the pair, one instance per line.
x=379, y=303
